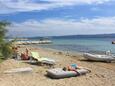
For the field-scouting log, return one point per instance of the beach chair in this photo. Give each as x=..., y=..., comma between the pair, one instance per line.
x=42, y=60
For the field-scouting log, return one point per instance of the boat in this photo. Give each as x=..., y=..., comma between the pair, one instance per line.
x=113, y=42
x=98, y=57
x=33, y=42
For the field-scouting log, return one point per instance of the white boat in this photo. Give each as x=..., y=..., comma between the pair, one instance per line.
x=98, y=57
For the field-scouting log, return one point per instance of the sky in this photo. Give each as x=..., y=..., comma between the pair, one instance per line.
x=31, y=18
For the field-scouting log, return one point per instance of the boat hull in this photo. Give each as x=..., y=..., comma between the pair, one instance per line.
x=96, y=57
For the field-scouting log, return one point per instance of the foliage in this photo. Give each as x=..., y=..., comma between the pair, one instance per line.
x=6, y=50
x=5, y=47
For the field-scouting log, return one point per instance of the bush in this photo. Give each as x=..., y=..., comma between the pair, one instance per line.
x=5, y=47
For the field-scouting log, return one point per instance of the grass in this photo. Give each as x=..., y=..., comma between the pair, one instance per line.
x=1, y=58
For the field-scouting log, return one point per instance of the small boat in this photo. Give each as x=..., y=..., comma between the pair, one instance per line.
x=113, y=42
x=98, y=57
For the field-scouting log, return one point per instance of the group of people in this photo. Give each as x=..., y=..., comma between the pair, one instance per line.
x=24, y=55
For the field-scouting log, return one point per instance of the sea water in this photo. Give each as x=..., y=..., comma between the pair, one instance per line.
x=95, y=45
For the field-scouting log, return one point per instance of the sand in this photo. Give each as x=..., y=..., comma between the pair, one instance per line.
x=102, y=74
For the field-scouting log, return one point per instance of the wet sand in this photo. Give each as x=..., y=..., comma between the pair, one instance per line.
x=102, y=74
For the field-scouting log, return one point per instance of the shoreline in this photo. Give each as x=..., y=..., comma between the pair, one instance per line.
x=58, y=50
x=102, y=74
x=71, y=52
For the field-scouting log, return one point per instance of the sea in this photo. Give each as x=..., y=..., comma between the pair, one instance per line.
x=82, y=45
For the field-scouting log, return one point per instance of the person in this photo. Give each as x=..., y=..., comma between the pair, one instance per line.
x=24, y=55
x=75, y=67
x=72, y=67
x=15, y=52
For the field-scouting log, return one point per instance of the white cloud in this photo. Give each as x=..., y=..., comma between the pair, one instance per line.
x=95, y=9
x=11, y=6
x=79, y=1
x=51, y=27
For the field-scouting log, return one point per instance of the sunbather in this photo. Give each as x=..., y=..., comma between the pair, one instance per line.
x=69, y=71
x=24, y=55
x=73, y=67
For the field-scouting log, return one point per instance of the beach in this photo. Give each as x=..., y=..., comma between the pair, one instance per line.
x=102, y=74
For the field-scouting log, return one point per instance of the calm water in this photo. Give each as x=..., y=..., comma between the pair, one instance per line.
x=96, y=45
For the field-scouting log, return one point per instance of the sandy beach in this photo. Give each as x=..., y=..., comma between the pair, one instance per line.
x=102, y=74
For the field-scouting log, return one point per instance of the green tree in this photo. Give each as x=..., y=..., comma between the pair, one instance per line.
x=5, y=46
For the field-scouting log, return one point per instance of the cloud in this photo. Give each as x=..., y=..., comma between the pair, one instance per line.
x=95, y=9
x=12, y=6
x=79, y=1
x=50, y=27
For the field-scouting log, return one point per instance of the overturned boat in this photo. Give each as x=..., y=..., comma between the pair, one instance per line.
x=98, y=57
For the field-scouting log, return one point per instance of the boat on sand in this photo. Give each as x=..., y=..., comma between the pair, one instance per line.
x=98, y=57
